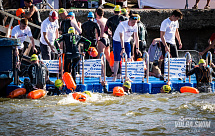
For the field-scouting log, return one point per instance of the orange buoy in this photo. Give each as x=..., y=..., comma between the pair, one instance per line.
x=79, y=96
x=19, y=11
x=188, y=89
x=36, y=94
x=70, y=83
x=17, y=92
x=118, y=91
x=139, y=59
x=92, y=52
x=111, y=59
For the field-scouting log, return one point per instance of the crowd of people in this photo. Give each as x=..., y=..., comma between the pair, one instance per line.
x=122, y=33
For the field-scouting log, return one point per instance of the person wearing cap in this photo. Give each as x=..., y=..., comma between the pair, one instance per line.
x=121, y=41
x=142, y=33
x=49, y=32
x=168, y=32
x=113, y=21
x=38, y=73
x=91, y=30
x=58, y=88
x=112, y=24
x=126, y=87
x=71, y=49
x=124, y=13
x=21, y=32
x=203, y=74
x=68, y=20
x=165, y=89
x=33, y=16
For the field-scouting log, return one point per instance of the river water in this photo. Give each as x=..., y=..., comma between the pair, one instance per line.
x=102, y=114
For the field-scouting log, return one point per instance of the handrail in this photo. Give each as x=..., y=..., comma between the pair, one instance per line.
x=189, y=65
x=10, y=15
x=209, y=54
x=146, y=56
x=168, y=55
x=104, y=66
x=82, y=68
x=124, y=55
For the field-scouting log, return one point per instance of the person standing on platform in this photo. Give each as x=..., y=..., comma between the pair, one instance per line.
x=211, y=43
x=49, y=32
x=32, y=16
x=68, y=20
x=168, y=32
x=142, y=33
x=71, y=49
x=206, y=6
x=121, y=41
x=91, y=31
x=112, y=24
x=21, y=32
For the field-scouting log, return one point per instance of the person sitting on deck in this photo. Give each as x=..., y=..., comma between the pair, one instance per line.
x=203, y=74
x=126, y=87
x=38, y=74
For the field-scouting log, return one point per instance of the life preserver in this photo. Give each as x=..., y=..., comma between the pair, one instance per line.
x=139, y=59
x=36, y=94
x=111, y=59
x=92, y=52
x=79, y=96
x=19, y=11
x=68, y=80
x=118, y=91
x=188, y=89
x=17, y=92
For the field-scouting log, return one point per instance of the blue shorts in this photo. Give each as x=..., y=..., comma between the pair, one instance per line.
x=117, y=50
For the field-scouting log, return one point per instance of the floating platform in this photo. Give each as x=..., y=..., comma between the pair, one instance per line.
x=93, y=85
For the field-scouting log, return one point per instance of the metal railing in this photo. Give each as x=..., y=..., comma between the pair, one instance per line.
x=189, y=65
x=146, y=59
x=124, y=55
x=209, y=63
x=104, y=67
x=168, y=55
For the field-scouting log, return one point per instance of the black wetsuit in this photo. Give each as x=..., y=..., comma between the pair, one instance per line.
x=142, y=33
x=203, y=75
x=56, y=91
x=70, y=48
x=65, y=25
x=113, y=22
x=37, y=74
x=88, y=31
x=36, y=20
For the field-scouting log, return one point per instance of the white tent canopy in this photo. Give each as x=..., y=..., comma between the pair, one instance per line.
x=174, y=4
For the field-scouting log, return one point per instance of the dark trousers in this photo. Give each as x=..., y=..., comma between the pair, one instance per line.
x=173, y=53
x=71, y=64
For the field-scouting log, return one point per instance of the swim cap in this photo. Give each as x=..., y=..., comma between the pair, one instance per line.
x=117, y=8
x=123, y=11
x=34, y=57
x=58, y=83
x=71, y=30
x=88, y=93
x=61, y=10
x=71, y=14
x=201, y=61
x=127, y=84
x=166, y=88
x=90, y=14
x=138, y=17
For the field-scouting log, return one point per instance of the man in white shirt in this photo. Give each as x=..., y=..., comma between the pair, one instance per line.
x=121, y=40
x=21, y=32
x=168, y=32
x=49, y=32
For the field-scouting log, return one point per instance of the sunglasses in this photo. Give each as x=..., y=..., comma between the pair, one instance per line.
x=134, y=18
